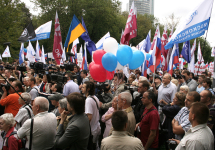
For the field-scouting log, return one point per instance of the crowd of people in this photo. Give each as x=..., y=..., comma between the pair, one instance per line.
x=160, y=111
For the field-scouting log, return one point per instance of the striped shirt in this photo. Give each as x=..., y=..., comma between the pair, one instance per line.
x=183, y=119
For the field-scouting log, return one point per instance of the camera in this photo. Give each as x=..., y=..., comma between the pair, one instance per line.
x=131, y=88
x=7, y=87
x=21, y=68
x=37, y=66
x=69, y=66
x=59, y=78
x=10, y=67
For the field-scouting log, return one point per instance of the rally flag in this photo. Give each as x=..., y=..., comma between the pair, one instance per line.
x=131, y=26
x=186, y=53
x=157, y=35
x=84, y=61
x=30, y=53
x=164, y=41
x=148, y=42
x=199, y=56
x=155, y=56
x=89, y=43
x=173, y=59
x=191, y=65
x=206, y=66
x=144, y=67
x=99, y=44
x=64, y=55
x=43, y=56
x=43, y=31
x=193, y=25
x=6, y=52
x=21, y=54
x=176, y=56
x=80, y=58
x=75, y=30
x=74, y=50
x=27, y=34
x=38, y=52
x=212, y=52
x=141, y=45
x=57, y=47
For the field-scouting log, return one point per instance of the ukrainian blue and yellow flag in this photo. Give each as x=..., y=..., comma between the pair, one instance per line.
x=75, y=30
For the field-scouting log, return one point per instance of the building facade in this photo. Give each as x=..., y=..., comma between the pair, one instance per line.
x=143, y=6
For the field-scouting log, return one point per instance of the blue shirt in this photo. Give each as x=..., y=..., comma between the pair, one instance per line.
x=199, y=90
x=70, y=87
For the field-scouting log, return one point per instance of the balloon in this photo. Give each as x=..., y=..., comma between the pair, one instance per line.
x=110, y=75
x=148, y=56
x=110, y=45
x=124, y=54
x=134, y=48
x=91, y=64
x=136, y=60
x=97, y=56
x=109, y=61
x=98, y=73
x=119, y=66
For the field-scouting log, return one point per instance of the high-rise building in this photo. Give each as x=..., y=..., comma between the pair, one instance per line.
x=143, y=6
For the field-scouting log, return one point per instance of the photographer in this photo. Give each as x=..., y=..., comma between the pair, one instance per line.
x=11, y=101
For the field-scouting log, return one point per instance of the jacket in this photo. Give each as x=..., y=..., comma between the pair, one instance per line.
x=76, y=135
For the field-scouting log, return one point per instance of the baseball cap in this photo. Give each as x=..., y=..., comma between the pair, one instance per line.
x=56, y=97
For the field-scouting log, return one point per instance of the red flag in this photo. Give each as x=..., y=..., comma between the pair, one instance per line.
x=57, y=47
x=164, y=41
x=130, y=27
x=157, y=34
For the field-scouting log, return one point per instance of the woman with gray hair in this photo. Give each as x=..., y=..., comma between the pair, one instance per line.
x=25, y=112
x=9, y=134
x=63, y=106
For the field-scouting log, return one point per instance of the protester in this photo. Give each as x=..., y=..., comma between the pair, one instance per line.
x=107, y=117
x=92, y=110
x=44, y=87
x=199, y=136
x=148, y=128
x=70, y=86
x=207, y=85
x=34, y=92
x=11, y=102
x=190, y=82
x=55, y=102
x=184, y=89
x=11, y=142
x=76, y=135
x=200, y=87
x=26, y=84
x=124, y=103
x=120, y=139
x=181, y=123
x=181, y=82
x=25, y=112
x=44, y=126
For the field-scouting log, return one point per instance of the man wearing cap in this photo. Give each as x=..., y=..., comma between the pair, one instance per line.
x=55, y=101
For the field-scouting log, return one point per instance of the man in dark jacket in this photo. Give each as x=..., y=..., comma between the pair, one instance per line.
x=76, y=135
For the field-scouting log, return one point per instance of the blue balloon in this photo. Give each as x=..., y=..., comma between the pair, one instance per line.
x=136, y=60
x=148, y=56
x=124, y=54
x=109, y=61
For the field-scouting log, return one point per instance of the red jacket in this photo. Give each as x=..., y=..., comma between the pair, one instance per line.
x=13, y=142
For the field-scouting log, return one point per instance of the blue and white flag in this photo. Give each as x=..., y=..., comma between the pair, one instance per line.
x=30, y=53
x=99, y=44
x=43, y=31
x=186, y=52
x=193, y=25
x=21, y=54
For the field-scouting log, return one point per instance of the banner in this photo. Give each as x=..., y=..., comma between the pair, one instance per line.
x=27, y=34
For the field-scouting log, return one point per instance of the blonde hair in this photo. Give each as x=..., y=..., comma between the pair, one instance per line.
x=175, y=81
x=185, y=87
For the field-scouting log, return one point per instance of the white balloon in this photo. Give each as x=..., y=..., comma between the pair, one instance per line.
x=110, y=45
x=119, y=66
x=134, y=48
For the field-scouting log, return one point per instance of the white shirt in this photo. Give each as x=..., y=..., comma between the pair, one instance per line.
x=70, y=87
x=91, y=108
x=34, y=92
x=199, y=137
x=44, y=131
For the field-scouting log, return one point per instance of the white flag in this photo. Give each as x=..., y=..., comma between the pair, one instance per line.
x=191, y=65
x=99, y=44
x=30, y=53
x=43, y=56
x=37, y=57
x=199, y=55
x=6, y=52
x=193, y=25
x=212, y=52
x=64, y=55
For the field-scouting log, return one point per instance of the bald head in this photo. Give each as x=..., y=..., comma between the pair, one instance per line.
x=42, y=102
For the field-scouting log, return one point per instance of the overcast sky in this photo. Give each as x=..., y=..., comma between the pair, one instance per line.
x=164, y=8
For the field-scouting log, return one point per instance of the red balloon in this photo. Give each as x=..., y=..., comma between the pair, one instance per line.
x=91, y=64
x=97, y=56
x=98, y=73
x=110, y=75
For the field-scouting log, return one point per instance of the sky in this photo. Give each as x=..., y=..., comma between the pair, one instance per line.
x=164, y=8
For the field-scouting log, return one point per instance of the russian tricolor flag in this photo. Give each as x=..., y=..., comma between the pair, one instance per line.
x=155, y=56
x=84, y=61
x=173, y=59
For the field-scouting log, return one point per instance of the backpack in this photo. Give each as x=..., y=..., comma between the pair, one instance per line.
x=21, y=143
